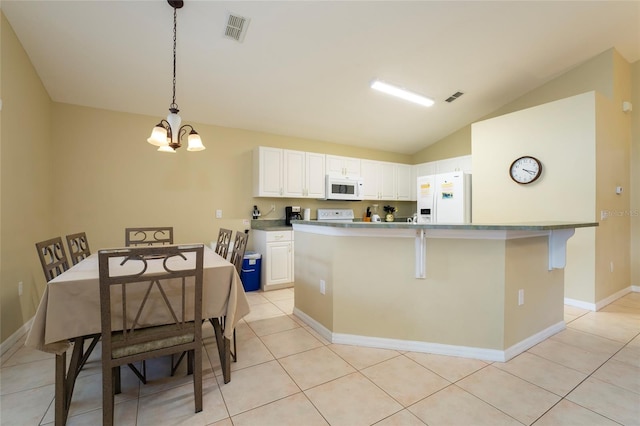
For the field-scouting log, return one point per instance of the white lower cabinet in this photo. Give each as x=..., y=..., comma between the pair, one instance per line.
x=276, y=248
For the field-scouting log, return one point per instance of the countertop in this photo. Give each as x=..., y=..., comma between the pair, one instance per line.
x=525, y=226
x=270, y=225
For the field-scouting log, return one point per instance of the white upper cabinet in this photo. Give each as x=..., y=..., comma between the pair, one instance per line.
x=294, y=171
x=344, y=166
x=386, y=181
x=267, y=172
x=425, y=169
x=298, y=174
x=454, y=164
x=315, y=173
x=303, y=174
x=404, y=181
x=370, y=170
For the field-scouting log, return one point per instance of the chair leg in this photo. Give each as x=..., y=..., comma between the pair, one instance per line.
x=117, y=386
x=190, y=363
x=197, y=377
x=108, y=388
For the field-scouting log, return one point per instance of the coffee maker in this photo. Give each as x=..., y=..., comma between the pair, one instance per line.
x=291, y=213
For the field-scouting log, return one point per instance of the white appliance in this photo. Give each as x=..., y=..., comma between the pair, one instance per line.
x=336, y=215
x=348, y=188
x=444, y=198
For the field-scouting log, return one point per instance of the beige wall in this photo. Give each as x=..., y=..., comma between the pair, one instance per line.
x=469, y=297
x=27, y=181
x=634, y=187
x=566, y=146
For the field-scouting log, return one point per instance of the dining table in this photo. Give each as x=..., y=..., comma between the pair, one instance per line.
x=69, y=316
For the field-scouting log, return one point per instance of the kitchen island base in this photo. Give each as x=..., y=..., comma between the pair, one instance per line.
x=486, y=298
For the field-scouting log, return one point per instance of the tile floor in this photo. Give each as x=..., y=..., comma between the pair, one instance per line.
x=286, y=374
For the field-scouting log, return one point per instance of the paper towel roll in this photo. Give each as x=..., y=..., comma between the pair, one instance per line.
x=307, y=214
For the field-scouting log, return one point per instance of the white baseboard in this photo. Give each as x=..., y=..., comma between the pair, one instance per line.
x=531, y=341
x=601, y=303
x=17, y=335
x=432, y=348
x=319, y=328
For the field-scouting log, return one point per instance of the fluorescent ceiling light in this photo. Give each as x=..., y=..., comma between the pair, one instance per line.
x=401, y=93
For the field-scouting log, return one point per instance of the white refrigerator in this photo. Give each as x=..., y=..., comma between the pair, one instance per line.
x=444, y=198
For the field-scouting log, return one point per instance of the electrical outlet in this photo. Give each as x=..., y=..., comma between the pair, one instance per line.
x=218, y=214
x=520, y=297
x=323, y=287
x=20, y=288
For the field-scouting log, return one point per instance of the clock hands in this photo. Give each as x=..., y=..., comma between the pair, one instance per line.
x=529, y=171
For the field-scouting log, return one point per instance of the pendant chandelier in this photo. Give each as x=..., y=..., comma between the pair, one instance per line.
x=166, y=135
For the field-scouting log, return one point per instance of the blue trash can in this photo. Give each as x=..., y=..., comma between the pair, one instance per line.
x=250, y=273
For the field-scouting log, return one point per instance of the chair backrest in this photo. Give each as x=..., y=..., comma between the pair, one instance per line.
x=239, y=247
x=78, y=247
x=149, y=236
x=224, y=239
x=53, y=258
x=142, y=287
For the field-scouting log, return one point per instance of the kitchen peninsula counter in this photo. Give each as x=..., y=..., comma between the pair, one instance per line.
x=486, y=291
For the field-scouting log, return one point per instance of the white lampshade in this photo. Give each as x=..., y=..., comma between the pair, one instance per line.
x=158, y=136
x=166, y=148
x=195, y=143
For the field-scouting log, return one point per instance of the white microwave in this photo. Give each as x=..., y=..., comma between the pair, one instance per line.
x=347, y=188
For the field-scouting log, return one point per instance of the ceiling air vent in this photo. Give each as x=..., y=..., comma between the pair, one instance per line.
x=236, y=27
x=454, y=97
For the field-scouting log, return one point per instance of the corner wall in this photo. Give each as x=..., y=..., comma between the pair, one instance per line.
x=635, y=175
x=562, y=135
x=27, y=181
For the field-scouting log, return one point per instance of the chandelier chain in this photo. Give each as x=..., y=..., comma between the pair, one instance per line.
x=175, y=15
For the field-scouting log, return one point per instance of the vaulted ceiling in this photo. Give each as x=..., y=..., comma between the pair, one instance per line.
x=304, y=67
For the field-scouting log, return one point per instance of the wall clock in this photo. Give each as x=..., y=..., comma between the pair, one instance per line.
x=525, y=170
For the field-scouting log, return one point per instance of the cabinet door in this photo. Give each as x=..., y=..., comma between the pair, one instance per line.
x=315, y=175
x=370, y=173
x=352, y=166
x=334, y=165
x=294, y=173
x=387, y=181
x=337, y=165
x=279, y=262
x=267, y=170
x=403, y=182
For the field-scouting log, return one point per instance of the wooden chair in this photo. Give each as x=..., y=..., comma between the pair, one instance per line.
x=125, y=289
x=53, y=258
x=224, y=239
x=149, y=236
x=78, y=247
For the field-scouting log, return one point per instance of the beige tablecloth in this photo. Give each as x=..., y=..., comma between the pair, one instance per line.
x=70, y=305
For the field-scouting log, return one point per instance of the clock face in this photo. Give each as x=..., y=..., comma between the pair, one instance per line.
x=525, y=169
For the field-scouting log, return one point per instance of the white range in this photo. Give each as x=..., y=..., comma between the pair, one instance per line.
x=336, y=215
